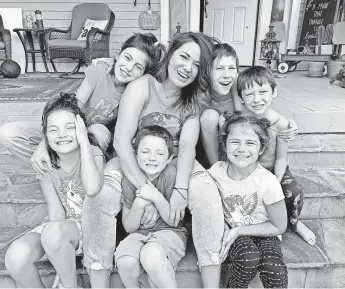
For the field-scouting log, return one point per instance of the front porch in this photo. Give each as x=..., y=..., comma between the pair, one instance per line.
x=317, y=157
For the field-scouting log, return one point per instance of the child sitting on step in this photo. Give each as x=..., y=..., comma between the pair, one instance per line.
x=159, y=248
x=257, y=88
x=253, y=205
x=77, y=172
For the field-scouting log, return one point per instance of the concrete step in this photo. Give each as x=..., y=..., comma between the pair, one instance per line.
x=22, y=202
x=317, y=151
x=319, y=266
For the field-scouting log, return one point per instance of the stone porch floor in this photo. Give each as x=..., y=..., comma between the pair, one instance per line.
x=317, y=106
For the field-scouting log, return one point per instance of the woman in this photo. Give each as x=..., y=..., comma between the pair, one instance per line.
x=173, y=98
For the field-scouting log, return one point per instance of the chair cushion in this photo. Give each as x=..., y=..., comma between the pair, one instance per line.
x=2, y=45
x=101, y=24
x=74, y=44
x=94, y=11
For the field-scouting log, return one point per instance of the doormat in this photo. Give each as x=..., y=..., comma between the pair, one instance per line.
x=35, y=89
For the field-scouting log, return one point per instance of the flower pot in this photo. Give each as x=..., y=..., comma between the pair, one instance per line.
x=326, y=49
x=333, y=67
x=315, y=69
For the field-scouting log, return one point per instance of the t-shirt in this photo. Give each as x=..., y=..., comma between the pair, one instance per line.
x=68, y=186
x=102, y=106
x=157, y=112
x=164, y=184
x=244, y=201
x=222, y=106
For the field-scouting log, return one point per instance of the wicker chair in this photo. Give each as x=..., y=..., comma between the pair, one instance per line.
x=64, y=44
x=5, y=41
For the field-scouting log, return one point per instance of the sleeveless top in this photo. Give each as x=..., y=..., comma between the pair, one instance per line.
x=158, y=112
x=268, y=159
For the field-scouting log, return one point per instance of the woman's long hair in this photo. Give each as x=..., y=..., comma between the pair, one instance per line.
x=195, y=96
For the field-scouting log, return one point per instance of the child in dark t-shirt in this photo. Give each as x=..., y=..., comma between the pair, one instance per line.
x=159, y=248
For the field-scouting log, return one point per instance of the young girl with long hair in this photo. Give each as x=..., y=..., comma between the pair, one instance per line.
x=77, y=172
x=253, y=205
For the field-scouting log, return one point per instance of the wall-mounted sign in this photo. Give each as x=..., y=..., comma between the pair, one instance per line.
x=149, y=20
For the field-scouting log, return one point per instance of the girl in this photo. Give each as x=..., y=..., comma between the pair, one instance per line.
x=98, y=96
x=224, y=97
x=253, y=204
x=74, y=160
x=172, y=98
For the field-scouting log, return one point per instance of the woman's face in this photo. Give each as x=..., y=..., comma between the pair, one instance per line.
x=184, y=64
x=130, y=65
x=224, y=74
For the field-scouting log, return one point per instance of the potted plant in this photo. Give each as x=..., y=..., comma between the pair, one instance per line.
x=340, y=76
x=324, y=40
x=334, y=65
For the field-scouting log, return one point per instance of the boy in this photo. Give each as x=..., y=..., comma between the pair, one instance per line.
x=257, y=87
x=157, y=249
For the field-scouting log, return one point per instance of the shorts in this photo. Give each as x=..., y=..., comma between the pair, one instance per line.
x=78, y=251
x=173, y=245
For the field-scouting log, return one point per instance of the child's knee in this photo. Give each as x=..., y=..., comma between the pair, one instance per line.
x=18, y=256
x=209, y=119
x=54, y=236
x=127, y=264
x=152, y=257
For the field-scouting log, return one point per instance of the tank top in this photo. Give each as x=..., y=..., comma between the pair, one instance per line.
x=158, y=112
x=268, y=159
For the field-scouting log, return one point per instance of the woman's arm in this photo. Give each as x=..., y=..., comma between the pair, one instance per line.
x=55, y=209
x=131, y=217
x=185, y=162
x=131, y=105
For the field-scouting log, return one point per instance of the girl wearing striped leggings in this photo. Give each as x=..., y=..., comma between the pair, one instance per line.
x=253, y=203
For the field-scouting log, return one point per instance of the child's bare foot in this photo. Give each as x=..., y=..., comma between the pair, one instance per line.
x=305, y=233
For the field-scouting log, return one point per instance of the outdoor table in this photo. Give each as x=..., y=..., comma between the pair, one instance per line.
x=33, y=51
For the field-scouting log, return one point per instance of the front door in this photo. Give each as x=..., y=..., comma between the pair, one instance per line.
x=233, y=22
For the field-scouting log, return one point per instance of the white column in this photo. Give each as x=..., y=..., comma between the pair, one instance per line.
x=194, y=15
x=165, y=22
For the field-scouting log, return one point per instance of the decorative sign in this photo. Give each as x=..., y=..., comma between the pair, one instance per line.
x=316, y=13
x=149, y=20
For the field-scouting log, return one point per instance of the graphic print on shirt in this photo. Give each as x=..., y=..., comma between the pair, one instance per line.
x=101, y=112
x=238, y=210
x=72, y=195
x=168, y=121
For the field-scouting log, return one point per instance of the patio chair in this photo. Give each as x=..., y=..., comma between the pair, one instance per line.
x=5, y=41
x=65, y=44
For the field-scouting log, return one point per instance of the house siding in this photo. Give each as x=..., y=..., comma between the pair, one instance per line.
x=58, y=15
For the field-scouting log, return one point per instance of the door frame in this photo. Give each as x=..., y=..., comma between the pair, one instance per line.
x=200, y=4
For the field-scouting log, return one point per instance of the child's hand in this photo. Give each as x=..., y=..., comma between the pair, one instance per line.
x=229, y=238
x=148, y=192
x=291, y=132
x=81, y=131
x=109, y=61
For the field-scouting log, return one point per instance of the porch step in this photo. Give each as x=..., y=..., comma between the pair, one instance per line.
x=317, y=151
x=322, y=265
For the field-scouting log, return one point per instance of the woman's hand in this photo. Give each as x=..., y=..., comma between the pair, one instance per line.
x=178, y=206
x=229, y=238
x=150, y=216
x=289, y=133
x=109, y=61
x=40, y=160
x=81, y=131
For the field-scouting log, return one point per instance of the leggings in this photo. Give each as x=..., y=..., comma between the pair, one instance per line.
x=249, y=255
